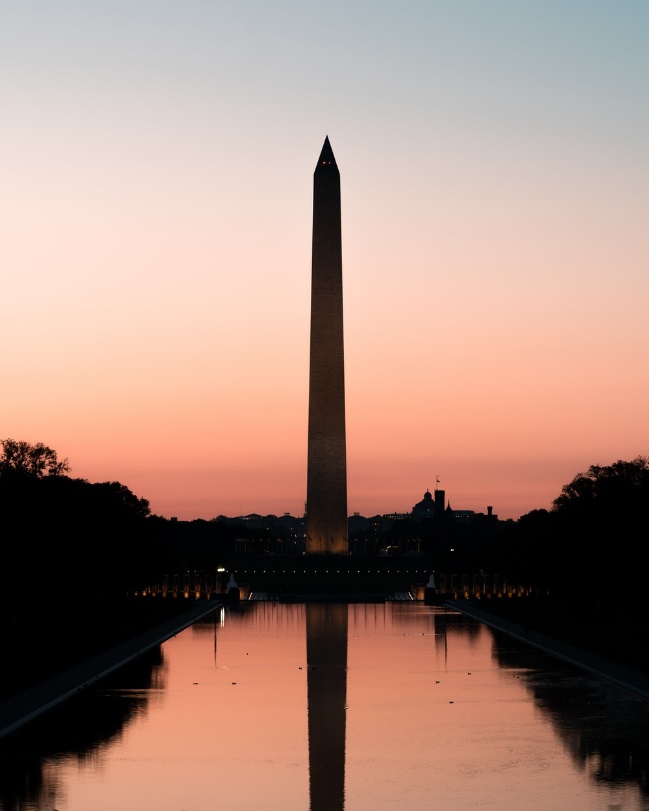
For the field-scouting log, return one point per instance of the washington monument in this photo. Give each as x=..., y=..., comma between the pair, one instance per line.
x=326, y=488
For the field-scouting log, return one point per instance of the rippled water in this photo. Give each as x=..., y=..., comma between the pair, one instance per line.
x=345, y=708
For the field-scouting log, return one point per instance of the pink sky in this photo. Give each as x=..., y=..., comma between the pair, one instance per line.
x=155, y=255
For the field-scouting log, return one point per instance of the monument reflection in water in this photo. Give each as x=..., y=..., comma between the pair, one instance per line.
x=356, y=707
x=326, y=651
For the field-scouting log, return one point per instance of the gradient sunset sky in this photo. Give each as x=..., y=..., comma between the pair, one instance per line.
x=157, y=176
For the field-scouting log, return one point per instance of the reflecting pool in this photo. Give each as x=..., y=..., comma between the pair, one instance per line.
x=359, y=707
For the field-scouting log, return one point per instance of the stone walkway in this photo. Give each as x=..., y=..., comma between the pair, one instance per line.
x=626, y=677
x=24, y=707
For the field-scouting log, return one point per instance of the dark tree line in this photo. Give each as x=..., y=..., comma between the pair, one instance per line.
x=62, y=536
x=593, y=541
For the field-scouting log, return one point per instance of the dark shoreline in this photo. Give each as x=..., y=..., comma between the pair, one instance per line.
x=609, y=627
x=44, y=639
x=67, y=677
x=593, y=659
x=54, y=645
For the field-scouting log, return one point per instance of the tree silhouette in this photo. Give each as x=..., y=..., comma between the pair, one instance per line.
x=22, y=458
x=616, y=492
x=61, y=535
x=587, y=547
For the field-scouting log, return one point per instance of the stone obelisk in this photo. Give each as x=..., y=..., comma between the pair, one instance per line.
x=326, y=491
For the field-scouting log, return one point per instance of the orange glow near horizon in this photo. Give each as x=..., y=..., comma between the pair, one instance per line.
x=156, y=250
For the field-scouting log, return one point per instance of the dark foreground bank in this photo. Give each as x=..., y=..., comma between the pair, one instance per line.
x=43, y=643
x=591, y=659
x=607, y=626
x=30, y=704
x=42, y=639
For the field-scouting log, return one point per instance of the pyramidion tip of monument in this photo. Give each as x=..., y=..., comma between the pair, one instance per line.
x=326, y=155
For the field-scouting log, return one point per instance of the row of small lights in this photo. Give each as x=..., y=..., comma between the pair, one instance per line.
x=326, y=571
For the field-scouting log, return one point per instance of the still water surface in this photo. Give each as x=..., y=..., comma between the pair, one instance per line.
x=360, y=707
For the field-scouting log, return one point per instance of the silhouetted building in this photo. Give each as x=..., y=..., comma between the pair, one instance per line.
x=424, y=508
x=326, y=498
